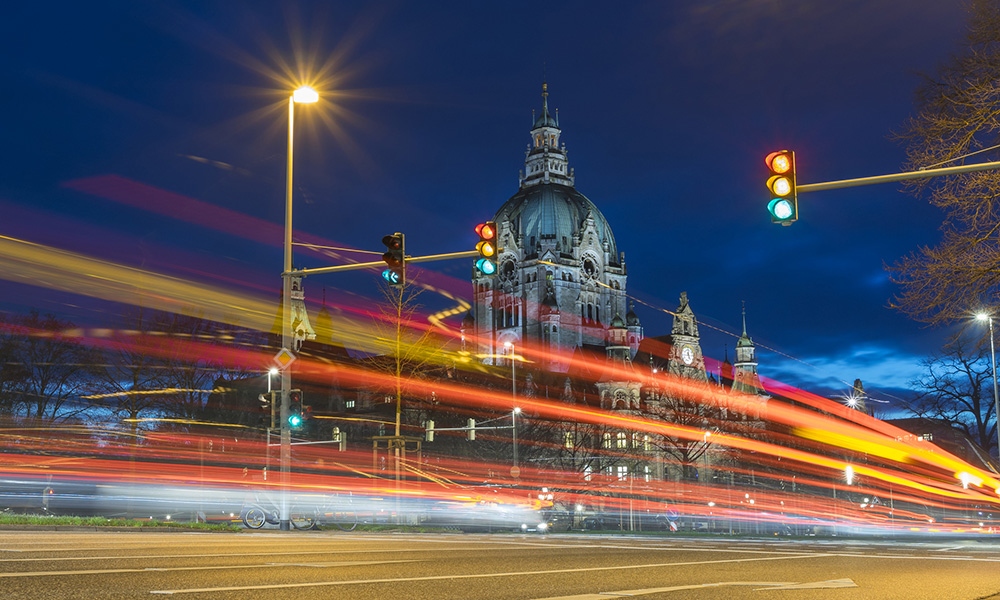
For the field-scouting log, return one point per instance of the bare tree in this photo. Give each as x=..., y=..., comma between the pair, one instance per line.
x=957, y=114
x=958, y=390
x=45, y=371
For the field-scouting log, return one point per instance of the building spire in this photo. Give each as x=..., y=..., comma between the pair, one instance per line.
x=545, y=161
x=744, y=317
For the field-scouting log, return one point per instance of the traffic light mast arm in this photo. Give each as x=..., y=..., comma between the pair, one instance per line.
x=844, y=183
x=380, y=264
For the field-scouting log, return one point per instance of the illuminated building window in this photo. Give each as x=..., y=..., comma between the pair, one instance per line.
x=647, y=473
x=349, y=404
x=622, y=472
x=587, y=472
x=622, y=440
x=569, y=440
x=645, y=443
x=607, y=440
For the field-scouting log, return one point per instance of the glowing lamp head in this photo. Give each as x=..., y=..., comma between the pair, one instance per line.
x=486, y=249
x=779, y=162
x=305, y=95
x=485, y=230
x=779, y=185
x=780, y=208
x=486, y=267
x=982, y=317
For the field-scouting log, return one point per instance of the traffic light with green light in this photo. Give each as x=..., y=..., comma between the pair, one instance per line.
x=487, y=248
x=295, y=409
x=395, y=259
x=784, y=204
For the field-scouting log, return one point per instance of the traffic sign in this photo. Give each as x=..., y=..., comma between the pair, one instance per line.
x=283, y=358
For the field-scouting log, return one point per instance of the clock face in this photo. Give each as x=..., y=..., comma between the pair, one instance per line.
x=687, y=355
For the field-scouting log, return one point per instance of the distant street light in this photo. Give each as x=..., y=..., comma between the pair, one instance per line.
x=996, y=398
x=303, y=95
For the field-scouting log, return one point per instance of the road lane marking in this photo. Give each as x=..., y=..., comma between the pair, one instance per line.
x=816, y=585
x=660, y=590
x=275, y=586
x=767, y=585
x=351, y=563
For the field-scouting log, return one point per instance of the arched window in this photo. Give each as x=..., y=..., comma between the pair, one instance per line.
x=622, y=440
x=607, y=440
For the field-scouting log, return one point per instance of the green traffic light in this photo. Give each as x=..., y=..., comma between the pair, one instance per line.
x=781, y=209
x=391, y=276
x=294, y=420
x=486, y=267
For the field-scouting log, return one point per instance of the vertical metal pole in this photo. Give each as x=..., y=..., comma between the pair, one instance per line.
x=996, y=398
x=286, y=334
x=513, y=390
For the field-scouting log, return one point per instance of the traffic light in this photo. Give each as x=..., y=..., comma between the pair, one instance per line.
x=340, y=437
x=295, y=409
x=268, y=409
x=784, y=204
x=430, y=431
x=487, y=248
x=471, y=426
x=395, y=258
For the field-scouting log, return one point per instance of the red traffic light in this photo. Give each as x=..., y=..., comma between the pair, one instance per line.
x=779, y=162
x=486, y=230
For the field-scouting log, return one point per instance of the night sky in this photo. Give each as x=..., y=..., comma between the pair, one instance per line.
x=667, y=110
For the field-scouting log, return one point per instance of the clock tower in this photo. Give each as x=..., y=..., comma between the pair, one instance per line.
x=685, y=352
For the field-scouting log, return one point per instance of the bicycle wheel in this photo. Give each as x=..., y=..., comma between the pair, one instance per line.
x=303, y=522
x=344, y=520
x=254, y=518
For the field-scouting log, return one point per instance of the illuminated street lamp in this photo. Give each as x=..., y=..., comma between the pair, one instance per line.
x=303, y=95
x=993, y=358
x=271, y=372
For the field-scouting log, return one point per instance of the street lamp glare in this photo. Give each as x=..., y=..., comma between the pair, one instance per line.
x=273, y=371
x=305, y=95
x=982, y=317
x=517, y=410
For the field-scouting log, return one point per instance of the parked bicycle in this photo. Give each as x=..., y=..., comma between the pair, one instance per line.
x=264, y=508
x=306, y=512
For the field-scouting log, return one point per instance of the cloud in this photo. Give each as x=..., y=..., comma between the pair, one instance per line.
x=876, y=365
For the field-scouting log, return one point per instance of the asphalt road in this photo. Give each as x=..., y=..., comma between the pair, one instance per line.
x=362, y=566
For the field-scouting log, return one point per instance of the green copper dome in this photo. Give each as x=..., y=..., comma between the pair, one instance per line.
x=551, y=213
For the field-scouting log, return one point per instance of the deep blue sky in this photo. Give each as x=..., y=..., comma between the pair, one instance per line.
x=667, y=110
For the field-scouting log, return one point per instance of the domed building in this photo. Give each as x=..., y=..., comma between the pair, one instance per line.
x=561, y=278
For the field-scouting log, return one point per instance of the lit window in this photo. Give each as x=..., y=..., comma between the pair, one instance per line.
x=607, y=440
x=622, y=472
x=569, y=440
x=622, y=440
